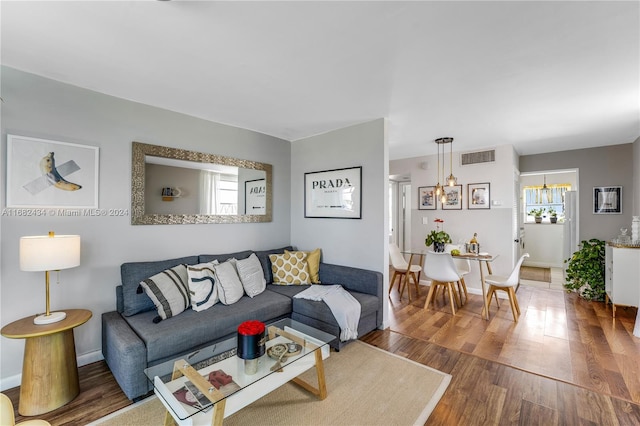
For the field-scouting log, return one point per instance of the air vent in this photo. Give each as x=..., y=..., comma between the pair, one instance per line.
x=478, y=157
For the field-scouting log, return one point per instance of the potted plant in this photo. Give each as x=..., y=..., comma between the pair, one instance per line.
x=537, y=213
x=553, y=215
x=438, y=238
x=585, y=273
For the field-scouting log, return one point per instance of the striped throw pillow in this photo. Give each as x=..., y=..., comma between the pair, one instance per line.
x=169, y=291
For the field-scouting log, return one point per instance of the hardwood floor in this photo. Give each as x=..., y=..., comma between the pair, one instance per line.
x=100, y=395
x=563, y=363
x=558, y=335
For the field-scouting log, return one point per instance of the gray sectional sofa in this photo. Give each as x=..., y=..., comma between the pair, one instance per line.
x=132, y=341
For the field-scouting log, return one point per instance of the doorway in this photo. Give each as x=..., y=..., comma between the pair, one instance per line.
x=400, y=202
x=551, y=195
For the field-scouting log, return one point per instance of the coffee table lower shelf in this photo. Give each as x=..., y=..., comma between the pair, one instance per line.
x=226, y=406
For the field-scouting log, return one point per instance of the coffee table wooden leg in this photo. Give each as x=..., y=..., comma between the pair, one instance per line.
x=218, y=413
x=168, y=419
x=321, y=390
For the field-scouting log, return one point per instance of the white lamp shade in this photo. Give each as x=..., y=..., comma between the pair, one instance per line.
x=49, y=253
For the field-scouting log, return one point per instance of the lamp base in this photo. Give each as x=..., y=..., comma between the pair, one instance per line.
x=49, y=319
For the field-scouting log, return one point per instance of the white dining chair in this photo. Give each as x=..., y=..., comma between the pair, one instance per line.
x=506, y=284
x=463, y=266
x=402, y=269
x=441, y=270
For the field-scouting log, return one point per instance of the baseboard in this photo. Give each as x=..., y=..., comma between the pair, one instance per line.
x=542, y=264
x=88, y=358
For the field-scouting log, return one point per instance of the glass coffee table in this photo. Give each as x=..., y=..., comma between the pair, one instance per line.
x=210, y=384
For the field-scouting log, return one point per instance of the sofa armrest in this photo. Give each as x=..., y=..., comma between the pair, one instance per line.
x=125, y=354
x=360, y=280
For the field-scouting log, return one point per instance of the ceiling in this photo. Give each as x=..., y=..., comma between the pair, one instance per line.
x=541, y=76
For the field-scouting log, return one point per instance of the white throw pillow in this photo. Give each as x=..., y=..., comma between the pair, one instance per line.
x=230, y=288
x=202, y=285
x=169, y=291
x=251, y=275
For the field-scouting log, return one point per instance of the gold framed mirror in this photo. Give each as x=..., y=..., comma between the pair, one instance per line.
x=171, y=186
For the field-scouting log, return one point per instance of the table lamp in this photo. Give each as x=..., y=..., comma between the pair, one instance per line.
x=49, y=253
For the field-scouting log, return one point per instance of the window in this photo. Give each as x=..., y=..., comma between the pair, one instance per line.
x=550, y=200
x=219, y=193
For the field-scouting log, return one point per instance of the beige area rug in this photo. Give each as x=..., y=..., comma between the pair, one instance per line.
x=535, y=274
x=366, y=386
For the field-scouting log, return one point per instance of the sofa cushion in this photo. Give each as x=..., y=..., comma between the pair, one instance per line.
x=202, y=285
x=230, y=288
x=290, y=268
x=203, y=258
x=134, y=272
x=169, y=291
x=288, y=290
x=320, y=310
x=251, y=275
x=193, y=329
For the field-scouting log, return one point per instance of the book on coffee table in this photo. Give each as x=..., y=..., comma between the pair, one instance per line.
x=190, y=395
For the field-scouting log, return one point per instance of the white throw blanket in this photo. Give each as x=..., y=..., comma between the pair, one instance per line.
x=344, y=307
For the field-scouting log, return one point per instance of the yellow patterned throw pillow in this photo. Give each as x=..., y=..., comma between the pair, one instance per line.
x=290, y=268
x=313, y=261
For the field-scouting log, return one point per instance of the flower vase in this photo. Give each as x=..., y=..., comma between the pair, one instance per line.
x=251, y=344
x=438, y=247
x=634, y=229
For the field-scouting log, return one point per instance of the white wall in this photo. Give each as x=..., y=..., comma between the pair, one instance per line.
x=361, y=243
x=44, y=108
x=636, y=177
x=494, y=225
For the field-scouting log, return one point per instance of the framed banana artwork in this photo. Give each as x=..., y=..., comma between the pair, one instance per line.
x=51, y=174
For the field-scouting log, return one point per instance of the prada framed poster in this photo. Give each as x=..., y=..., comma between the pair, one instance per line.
x=255, y=196
x=335, y=194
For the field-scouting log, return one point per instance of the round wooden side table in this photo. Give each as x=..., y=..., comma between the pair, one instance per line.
x=49, y=368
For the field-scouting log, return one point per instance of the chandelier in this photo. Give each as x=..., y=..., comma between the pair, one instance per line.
x=451, y=180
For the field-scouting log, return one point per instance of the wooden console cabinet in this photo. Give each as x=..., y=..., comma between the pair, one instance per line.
x=622, y=276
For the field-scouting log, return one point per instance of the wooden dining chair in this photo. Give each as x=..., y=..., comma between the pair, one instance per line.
x=506, y=284
x=7, y=416
x=441, y=270
x=402, y=269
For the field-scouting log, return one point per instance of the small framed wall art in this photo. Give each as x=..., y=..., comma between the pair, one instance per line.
x=335, y=194
x=607, y=200
x=427, y=199
x=478, y=196
x=46, y=173
x=453, y=197
x=255, y=196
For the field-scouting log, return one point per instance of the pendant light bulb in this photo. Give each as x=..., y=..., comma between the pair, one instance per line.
x=452, y=179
